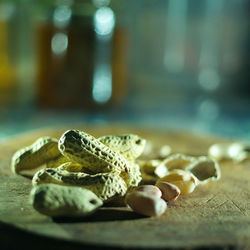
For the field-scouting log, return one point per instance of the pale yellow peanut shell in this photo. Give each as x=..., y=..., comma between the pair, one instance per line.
x=133, y=177
x=219, y=151
x=153, y=168
x=164, y=151
x=177, y=161
x=86, y=150
x=104, y=185
x=205, y=170
x=130, y=146
x=239, y=151
x=236, y=151
x=152, y=151
x=41, y=151
x=242, y=157
x=149, y=166
x=55, y=200
x=161, y=170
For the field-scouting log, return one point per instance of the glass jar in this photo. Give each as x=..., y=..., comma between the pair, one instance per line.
x=80, y=55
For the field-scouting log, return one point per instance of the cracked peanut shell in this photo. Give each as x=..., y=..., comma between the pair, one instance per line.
x=40, y=152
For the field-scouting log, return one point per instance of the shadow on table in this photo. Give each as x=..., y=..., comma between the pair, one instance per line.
x=102, y=215
x=13, y=238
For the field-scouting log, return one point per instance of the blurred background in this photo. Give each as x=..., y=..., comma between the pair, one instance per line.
x=168, y=64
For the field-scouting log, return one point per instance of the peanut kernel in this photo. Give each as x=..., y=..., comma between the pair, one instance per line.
x=150, y=190
x=170, y=192
x=145, y=204
x=184, y=180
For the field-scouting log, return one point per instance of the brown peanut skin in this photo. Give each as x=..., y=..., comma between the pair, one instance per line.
x=169, y=191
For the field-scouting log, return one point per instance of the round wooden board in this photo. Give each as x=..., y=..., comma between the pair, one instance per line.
x=214, y=215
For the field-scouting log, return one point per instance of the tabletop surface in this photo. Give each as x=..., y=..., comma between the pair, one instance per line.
x=214, y=215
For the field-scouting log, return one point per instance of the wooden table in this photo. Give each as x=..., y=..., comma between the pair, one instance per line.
x=214, y=215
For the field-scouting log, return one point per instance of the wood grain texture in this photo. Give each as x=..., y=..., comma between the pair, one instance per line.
x=214, y=215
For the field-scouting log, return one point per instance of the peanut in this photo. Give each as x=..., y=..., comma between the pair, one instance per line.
x=155, y=151
x=169, y=191
x=148, y=167
x=130, y=146
x=237, y=151
x=83, y=148
x=54, y=200
x=242, y=157
x=145, y=204
x=177, y=161
x=184, y=180
x=104, y=185
x=161, y=171
x=86, y=150
x=41, y=151
x=219, y=151
x=205, y=170
x=164, y=151
x=150, y=190
x=155, y=168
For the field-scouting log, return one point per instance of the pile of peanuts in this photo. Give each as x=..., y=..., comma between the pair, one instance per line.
x=79, y=173
x=174, y=175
